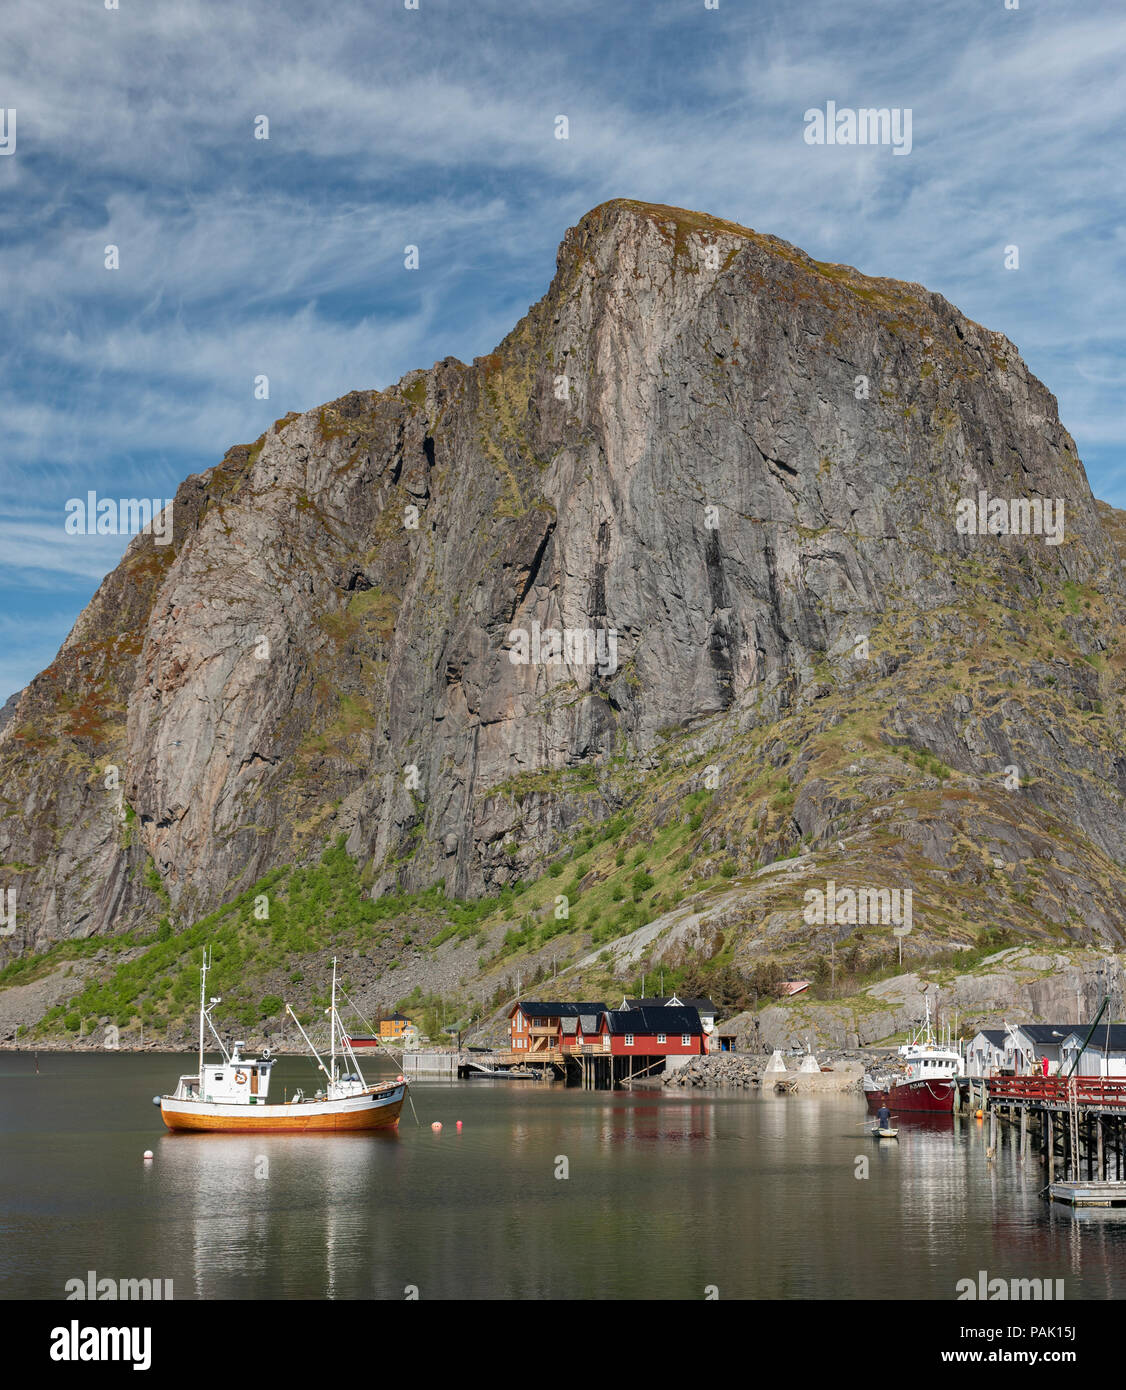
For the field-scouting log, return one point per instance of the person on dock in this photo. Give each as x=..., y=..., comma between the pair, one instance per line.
x=883, y=1115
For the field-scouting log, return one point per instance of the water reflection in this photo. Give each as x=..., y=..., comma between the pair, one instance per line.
x=763, y=1196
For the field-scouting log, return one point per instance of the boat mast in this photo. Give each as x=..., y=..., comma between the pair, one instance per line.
x=202, y=1000
x=332, y=1021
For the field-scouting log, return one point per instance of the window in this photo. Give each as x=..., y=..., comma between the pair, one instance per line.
x=686, y=1039
x=629, y=1039
x=218, y=1076
x=661, y=1038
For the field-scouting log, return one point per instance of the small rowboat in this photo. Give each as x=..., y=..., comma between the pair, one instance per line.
x=885, y=1133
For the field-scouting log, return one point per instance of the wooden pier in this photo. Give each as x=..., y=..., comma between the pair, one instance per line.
x=1079, y=1125
x=430, y=1064
x=586, y=1065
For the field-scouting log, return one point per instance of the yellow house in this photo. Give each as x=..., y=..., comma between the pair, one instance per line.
x=393, y=1026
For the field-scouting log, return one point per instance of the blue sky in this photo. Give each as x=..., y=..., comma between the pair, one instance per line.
x=435, y=127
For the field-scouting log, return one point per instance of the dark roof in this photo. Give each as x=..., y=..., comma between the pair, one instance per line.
x=1049, y=1032
x=660, y=1019
x=1099, y=1041
x=702, y=1006
x=996, y=1036
x=538, y=1009
x=394, y=1018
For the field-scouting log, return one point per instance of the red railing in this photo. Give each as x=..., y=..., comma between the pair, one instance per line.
x=1056, y=1090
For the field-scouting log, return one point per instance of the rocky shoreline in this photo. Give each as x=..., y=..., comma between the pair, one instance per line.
x=842, y=1071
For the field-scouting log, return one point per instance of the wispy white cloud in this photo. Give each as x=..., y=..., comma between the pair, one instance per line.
x=435, y=127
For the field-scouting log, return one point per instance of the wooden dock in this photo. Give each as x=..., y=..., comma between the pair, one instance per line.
x=586, y=1065
x=1089, y=1194
x=430, y=1064
x=1079, y=1125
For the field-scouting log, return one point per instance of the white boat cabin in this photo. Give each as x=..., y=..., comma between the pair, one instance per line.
x=237, y=1080
x=929, y=1062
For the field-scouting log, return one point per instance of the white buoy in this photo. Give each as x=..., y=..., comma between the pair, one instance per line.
x=148, y=1155
x=436, y=1126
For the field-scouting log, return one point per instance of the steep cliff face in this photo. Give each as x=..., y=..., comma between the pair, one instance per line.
x=729, y=476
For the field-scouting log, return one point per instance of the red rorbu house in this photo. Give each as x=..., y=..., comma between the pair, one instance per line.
x=586, y=1033
x=536, y=1028
x=648, y=1035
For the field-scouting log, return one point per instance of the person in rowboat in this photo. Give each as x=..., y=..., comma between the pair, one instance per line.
x=883, y=1116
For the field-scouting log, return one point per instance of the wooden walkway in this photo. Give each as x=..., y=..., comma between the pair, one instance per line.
x=1079, y=1124
x=1056, y=1092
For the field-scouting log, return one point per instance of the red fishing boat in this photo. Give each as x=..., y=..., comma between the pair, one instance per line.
x=925, y=1080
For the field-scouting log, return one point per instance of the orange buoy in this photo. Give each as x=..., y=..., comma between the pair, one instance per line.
x=980, y=1114
x=459, y=1124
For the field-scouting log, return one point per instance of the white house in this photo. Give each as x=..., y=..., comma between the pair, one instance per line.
x=1040, y=1040
x=1104, y=1055
x=1018, y=1051
x=991, y=1053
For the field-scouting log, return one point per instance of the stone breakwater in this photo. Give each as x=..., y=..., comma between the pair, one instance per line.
x=747, y=1071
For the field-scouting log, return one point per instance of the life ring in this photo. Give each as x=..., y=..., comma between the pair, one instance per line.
x=240, y=1078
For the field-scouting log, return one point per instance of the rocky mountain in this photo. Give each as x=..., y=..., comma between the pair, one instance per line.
x=788, y=575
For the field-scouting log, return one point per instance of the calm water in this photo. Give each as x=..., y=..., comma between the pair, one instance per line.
x=667, y=1194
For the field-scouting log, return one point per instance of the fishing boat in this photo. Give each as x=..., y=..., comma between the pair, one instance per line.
x=926, y=1079
x=232, y=1096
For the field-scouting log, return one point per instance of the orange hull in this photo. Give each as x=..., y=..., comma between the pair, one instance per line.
x=382, y=1117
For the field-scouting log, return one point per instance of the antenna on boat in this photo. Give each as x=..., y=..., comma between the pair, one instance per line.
x=202, y=1001
x=332, y=1021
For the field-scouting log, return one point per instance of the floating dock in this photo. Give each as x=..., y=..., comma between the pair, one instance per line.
x=1089, y=1194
